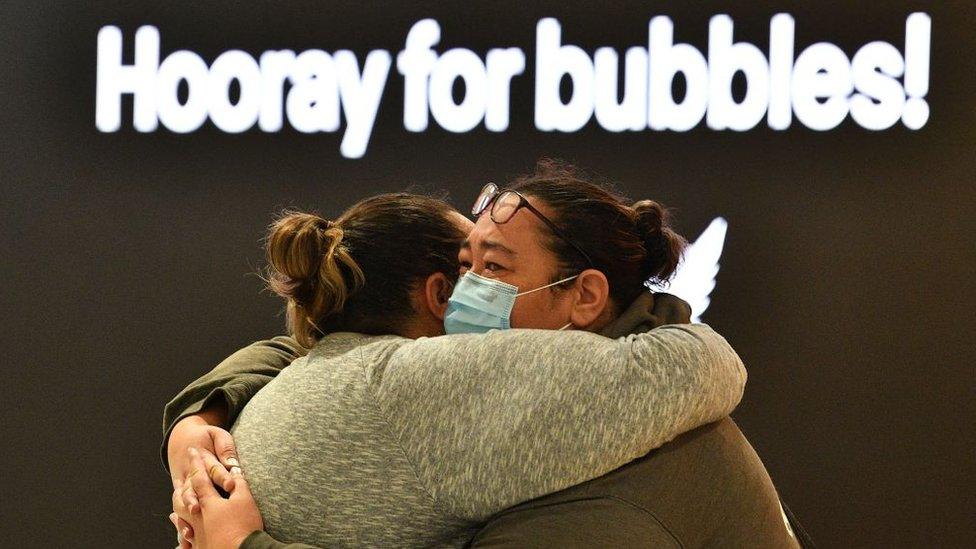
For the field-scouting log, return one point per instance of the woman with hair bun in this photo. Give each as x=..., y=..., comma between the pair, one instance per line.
x=384, y=435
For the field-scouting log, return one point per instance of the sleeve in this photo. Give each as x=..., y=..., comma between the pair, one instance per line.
x=235, y=381
x=492, y=420
x=262, y=540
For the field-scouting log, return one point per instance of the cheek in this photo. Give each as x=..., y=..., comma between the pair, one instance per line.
x=537, y=310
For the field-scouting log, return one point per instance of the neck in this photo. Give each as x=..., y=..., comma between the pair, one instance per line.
x=426, y=326
x=601, y=322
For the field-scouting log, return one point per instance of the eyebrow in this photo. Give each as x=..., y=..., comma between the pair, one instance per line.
x=491, y=245
x=495, y=245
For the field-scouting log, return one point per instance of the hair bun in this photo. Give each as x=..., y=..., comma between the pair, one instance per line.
x=663, y=245
x=297, y=243
x=650, y=217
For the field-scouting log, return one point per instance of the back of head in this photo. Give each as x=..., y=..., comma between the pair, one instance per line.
x=357, y=273
x=630, y=244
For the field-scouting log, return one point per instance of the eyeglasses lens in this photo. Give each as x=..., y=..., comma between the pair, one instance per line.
x=504, y=207
x=484, y=199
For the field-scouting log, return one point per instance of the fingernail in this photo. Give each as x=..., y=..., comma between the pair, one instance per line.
x=233, y=461
x=235, y=470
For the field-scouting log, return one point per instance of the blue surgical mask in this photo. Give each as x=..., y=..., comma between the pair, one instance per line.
x=479, y=304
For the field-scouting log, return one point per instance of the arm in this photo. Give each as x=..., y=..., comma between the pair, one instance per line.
x=218, y=396
x=492, y=420
x=580, y=523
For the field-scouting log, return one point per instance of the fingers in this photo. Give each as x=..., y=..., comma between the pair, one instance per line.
x=179, y=466
x=671, y=309
x=239, y=489
x=224, y=447
x=184, y=532
x=188, y=495
x=216, y=471
x=202, y=487
x=185, y=502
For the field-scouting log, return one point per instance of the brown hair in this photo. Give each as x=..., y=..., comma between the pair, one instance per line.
x=629, y=244
x=357, y=273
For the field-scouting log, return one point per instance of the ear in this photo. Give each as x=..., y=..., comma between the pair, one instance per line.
x=437, y=291
x=591, y=299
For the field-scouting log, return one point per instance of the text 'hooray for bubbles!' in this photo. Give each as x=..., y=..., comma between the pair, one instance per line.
x=315, y=90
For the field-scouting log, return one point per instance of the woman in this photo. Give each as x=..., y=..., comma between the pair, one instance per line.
x=388, y=441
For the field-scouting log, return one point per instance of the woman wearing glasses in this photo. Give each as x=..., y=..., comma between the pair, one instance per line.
x=383, y=437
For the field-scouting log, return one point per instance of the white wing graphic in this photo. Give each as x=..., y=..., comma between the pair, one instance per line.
x=694, y=278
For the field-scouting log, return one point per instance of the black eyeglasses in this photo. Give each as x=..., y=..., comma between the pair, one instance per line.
x=504, y=204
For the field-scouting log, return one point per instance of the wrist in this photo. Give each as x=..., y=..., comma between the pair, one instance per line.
x=214, y=414
x=238, y=539
x=182, y=434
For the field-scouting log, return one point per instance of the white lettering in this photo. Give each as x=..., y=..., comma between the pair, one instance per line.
x=112, y=79
x=667, y=59
x=821, y=84
x=631, y=112
x=313, y=102
x=781, y=30
x=182, y=66
x=878, y=86
x=275, y=68
x=229, y=66
x=725, y=59
x=918, y=39
x=875, y=68
x=553, y=61
x=360, y=97
x=503, y=65
x=466, y=65
x=415, y=63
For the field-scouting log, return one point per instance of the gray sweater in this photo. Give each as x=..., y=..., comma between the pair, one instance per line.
x=392, y=442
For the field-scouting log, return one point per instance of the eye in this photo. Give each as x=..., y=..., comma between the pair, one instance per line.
x=464, y=267
x=493, y=267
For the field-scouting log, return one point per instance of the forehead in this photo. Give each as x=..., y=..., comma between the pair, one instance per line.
x=523, y=234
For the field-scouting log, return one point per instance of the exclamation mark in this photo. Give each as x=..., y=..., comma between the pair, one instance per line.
x=918, y=39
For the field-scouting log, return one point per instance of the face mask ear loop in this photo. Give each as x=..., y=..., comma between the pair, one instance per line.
x=558, y=282
x=451, y=292
x=565, y=327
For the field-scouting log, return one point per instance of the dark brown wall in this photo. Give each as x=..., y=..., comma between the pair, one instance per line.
x=846, y=283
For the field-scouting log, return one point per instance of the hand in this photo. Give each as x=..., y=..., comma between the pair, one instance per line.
x=184, y=532
x=647, y=312
x=670, y=309
x=219, y=522
x=199, y=431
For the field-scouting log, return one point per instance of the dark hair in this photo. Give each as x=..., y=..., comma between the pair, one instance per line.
x=357, y=273
x=629, y=244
